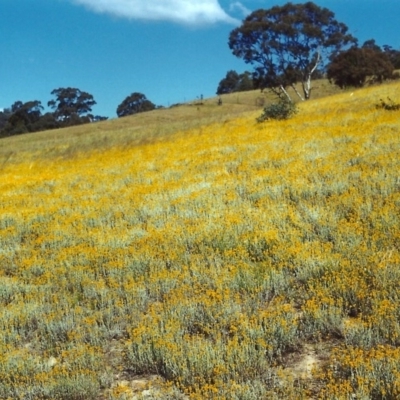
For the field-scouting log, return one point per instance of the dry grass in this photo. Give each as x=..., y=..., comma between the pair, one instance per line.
x=140, y=128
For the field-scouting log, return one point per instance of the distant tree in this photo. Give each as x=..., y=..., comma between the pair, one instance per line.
x=17, y=105
x=394, y=55
x=288, y=43
x=23, y=118
x=245, y=82
x=4, y=116
x=133, y=104
x=229, y=83
x=71, y=106
x=234, y=82
x=371, y=44
x=98, y=118
x=46, y=122
x=354, y=67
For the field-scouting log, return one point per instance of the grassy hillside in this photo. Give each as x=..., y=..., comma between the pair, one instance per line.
x=140, y=128
x=204, y=256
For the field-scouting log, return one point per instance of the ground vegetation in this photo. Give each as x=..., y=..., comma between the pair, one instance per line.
x=228, y=259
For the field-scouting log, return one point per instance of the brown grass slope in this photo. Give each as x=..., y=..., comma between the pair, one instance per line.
x=141, y=128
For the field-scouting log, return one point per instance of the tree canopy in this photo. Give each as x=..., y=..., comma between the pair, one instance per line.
x=71, y=106
x=356, y=66
x=393, y=54
x=23, y=117
x=288, y=43
x=133, y=104
x=4, y=117
x=234, y=82
x=371, y=44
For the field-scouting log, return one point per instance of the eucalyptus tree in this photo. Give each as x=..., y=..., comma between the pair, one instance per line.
x=71, y=106
x=357, y=66
x=133, y=104
x=288, y=44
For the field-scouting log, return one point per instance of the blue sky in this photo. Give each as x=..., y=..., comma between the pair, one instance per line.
x=170, y=50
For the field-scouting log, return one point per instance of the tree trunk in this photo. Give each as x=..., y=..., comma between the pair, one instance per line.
x=307, y=87
x=307, y=81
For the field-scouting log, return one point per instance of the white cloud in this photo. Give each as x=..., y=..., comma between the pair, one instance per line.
x=191, y=12
x=239, y=7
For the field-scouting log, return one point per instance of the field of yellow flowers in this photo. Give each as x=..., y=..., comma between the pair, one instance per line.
x=212, y=258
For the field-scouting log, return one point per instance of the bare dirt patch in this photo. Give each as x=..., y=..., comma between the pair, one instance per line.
x=304, y=362
x=302, y=365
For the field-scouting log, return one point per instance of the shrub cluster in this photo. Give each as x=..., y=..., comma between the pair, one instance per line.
x=283, y=109
x=388, y=105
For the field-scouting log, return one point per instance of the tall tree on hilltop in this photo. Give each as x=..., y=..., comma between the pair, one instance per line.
x=71, y=106
x=133, y=104
x=229, y=83
x=288, y=43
